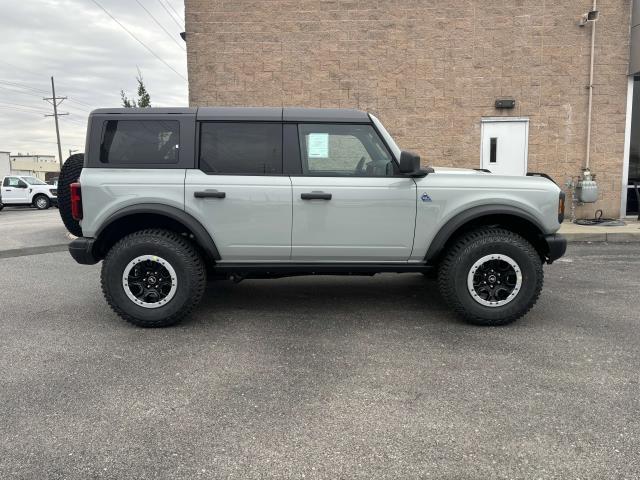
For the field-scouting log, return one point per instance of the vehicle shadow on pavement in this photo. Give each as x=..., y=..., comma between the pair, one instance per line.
x=386, y=298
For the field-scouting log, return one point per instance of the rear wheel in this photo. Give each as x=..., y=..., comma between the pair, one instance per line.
x=491, y=277
x=69, y=174
x=153, y=278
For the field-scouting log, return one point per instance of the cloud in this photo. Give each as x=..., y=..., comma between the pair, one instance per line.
x=91, y=58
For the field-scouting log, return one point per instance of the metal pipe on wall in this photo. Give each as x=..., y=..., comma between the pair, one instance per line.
x=590, y=87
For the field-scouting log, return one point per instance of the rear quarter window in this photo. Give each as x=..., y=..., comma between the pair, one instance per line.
x=139, y=142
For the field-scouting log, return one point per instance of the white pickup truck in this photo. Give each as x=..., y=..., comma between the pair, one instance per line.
x=27, y=190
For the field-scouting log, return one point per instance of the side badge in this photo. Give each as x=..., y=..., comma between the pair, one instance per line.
x=425, y=197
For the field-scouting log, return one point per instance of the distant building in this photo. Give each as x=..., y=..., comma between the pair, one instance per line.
x=43, y=167
x=5, y=164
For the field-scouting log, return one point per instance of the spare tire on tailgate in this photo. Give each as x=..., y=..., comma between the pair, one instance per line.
x=69, y=174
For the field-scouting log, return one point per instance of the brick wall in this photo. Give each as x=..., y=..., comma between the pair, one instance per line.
x=429, y=70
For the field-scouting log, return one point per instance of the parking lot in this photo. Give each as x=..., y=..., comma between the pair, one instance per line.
x=315, y=377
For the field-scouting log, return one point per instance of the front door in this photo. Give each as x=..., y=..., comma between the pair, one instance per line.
x=239, y=193
x=14, y=190
x=349, y=203
x=504, y=145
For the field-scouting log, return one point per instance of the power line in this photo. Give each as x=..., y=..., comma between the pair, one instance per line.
x=181, y=27
x=21, y=93
x=22, y=105
x=22, y=110
x=76, y=121
x=160, y=25
x=18, y=85
x=23, y=86
x=19, y=68
x=174, y=11
x=139, y=41
x=32, y=89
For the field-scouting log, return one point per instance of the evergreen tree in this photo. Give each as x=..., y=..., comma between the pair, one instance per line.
x=144, y=99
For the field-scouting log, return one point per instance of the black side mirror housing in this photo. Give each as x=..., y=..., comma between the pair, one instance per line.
x=410, y=164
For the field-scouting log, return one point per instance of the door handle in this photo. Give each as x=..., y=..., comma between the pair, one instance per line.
x=315, y=196
x=210, y=194
x=7, y=189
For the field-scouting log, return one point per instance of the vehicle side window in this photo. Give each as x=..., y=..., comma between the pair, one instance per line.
x=127, y=142
x=343, y=150
x=241, y=148
x=14, y=182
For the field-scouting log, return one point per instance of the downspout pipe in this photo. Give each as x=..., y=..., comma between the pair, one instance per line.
x=590, y=87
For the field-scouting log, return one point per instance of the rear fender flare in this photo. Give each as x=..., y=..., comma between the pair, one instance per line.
x=200, y=234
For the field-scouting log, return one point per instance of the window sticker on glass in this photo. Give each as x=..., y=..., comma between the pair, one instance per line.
x=318, y=145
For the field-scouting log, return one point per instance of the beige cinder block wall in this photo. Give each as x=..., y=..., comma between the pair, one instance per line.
x=430, y=70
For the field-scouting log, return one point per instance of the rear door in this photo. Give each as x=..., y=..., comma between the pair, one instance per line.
x=238, y=191
x=349, y=202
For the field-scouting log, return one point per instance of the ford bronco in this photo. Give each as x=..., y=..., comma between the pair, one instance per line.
x=168, y=197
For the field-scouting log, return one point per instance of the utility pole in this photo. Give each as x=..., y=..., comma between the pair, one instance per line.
x=55, y=101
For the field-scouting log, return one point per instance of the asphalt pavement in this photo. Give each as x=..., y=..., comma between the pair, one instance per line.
x=26, y=230
x=321, y=377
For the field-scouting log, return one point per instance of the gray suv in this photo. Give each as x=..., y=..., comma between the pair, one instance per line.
x=168, y=197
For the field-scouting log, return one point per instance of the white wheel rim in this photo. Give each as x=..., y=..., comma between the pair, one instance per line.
x=481, y=282
x=41, y=202
x=140, y=299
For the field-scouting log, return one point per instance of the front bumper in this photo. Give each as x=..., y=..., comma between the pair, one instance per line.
x=81, y=249
x=556, y=246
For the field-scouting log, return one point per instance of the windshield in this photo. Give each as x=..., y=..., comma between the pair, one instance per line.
x=387, y=138
x=33, y=181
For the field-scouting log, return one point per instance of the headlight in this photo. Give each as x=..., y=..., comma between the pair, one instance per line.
x=54, y=192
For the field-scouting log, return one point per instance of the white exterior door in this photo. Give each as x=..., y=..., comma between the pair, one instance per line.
x=504, y=145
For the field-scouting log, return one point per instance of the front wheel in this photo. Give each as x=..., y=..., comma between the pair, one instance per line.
x=153, y=278
x=491, y=276
x=41, y=202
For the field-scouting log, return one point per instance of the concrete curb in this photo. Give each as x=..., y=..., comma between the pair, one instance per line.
x=24, y=252
x=621, y=237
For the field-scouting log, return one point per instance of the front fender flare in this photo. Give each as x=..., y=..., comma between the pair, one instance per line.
x=460, y=219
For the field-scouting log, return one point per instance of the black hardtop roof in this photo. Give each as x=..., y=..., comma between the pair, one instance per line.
x=257, y=114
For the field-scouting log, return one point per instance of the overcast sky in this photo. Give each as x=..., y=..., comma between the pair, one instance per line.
x=91, y=57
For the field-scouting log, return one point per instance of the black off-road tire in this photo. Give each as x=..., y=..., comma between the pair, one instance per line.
x=69, y=174
x=175, y=249
x=458, y=261
x=44, y=205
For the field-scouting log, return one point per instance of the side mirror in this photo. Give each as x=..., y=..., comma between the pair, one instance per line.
x=410, y=164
